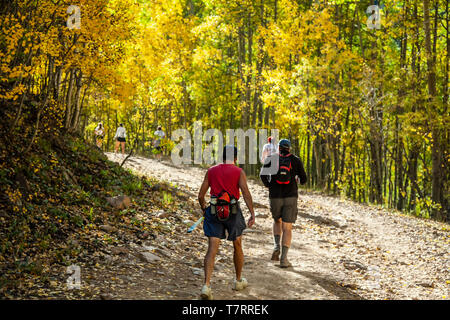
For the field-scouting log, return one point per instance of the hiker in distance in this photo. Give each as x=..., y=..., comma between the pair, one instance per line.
x=157, y=143
x=99, y=135
x=268, y=149
x=223, y=215
x=283, y=195
x=120, y=137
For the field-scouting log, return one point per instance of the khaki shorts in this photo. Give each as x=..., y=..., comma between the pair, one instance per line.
x=284, y=208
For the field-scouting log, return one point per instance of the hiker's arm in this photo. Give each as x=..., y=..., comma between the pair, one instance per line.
x=301, y=172
x=247, y=197
x=202, y=192
x=264, y=154
x=263, y=175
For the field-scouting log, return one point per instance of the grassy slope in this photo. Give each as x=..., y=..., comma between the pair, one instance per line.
x=53, y=204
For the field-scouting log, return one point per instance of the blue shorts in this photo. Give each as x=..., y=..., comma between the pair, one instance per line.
x=234, y=226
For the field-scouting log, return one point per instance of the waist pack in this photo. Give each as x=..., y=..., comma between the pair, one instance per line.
x=222, y=205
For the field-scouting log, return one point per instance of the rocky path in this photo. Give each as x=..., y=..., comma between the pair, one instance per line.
x=341, y=250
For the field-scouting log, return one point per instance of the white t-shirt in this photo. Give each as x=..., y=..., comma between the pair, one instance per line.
x=160, y=135
x=120, y=133
x=268, y=150
x=99, y=131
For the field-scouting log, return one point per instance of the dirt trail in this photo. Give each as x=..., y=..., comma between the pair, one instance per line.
x=341, y=250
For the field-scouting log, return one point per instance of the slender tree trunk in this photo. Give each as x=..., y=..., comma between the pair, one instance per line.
x=69, y=100
x=437, y=186
x=78, y=102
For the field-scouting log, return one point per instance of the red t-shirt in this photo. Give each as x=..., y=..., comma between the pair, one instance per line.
x=224, y=177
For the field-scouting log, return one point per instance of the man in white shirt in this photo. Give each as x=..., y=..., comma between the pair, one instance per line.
x=120, y=137
x=157, y=143
x=268, y=149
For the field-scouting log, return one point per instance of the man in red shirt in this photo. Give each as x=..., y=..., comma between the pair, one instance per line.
x=224, y=215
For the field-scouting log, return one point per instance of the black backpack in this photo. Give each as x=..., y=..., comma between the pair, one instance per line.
x=284, y=170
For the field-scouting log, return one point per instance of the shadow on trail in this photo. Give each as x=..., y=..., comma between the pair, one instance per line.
x=329, y=285
x=319, y=220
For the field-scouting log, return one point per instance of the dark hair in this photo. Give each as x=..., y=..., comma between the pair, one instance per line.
x=121, y=125
x=228, y=151
x=159, y=127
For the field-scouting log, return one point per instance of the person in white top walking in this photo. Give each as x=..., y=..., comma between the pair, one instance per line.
x=157, y=143
x=120, y=137
x=99, y=135
x=268, y=149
